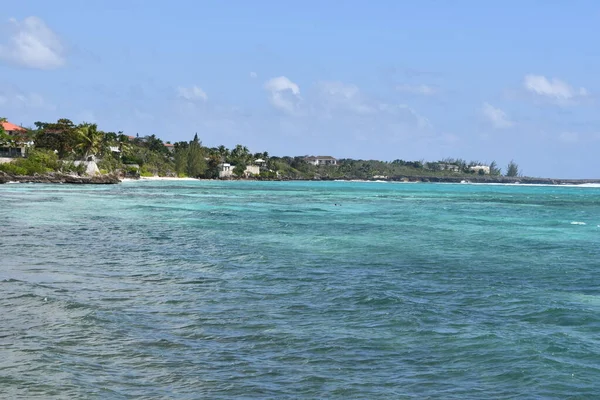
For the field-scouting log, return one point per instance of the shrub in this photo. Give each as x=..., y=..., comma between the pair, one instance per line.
x=37, y=162
x=12, y=168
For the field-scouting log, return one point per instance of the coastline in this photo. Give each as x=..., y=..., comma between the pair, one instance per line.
x=489, y=180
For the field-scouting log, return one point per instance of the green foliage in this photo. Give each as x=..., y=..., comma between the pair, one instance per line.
x=61, y=136
x=494, y=170
x=89, y=140
x=37, y=162
x=13, y=168
x=110, y=163
x=239, y=170
x=196, y=164
x=512, y=169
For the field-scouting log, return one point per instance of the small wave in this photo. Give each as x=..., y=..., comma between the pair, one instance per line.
x=578, y=223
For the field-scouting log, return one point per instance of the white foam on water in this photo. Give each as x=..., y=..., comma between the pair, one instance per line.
x=578, y=223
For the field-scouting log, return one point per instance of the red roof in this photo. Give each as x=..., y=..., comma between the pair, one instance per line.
x=168, y=145
x=12, y=127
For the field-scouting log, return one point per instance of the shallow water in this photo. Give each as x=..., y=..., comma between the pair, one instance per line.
x=215, y=290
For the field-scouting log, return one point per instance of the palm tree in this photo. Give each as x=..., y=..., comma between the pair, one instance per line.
x=223, y=152
x=90, y=139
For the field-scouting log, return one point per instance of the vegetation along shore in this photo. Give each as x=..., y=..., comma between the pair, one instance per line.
x=63, y=152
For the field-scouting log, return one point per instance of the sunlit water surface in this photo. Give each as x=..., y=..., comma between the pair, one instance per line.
x=291, y=290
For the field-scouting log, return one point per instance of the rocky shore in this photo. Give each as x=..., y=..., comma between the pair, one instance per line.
x=60, y=178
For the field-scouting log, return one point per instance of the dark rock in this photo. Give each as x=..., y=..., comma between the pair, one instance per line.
x=59, y=178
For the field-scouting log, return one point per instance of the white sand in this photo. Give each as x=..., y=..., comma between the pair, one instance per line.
x=157, y=178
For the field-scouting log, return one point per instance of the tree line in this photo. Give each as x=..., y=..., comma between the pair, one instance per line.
x=149, y=155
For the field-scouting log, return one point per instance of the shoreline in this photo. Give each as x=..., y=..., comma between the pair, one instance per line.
x=474, y=180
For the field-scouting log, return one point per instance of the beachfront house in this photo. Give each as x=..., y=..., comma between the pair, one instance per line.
x=321, y=160
x=478, y=168
x=448, y=167
x=252, y=170
x=225, y=170
x=16, y=143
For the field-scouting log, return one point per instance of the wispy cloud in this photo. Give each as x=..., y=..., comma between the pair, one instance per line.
x=193, y=93
x=424, y=90
x=496, y=116
x=283, y=94
x=553, y=89
x=253, y=75
x=342, y=96
x=32, y=44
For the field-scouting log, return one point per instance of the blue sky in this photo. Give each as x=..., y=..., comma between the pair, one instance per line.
x=479, y=80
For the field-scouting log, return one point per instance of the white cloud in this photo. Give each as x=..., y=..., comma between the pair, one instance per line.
x=193, y=93
x=283, y=94
x=496, y=116
x=569, y=137
x=554, y=89
x=424, y=90
x=31, y=43
x=253, y=75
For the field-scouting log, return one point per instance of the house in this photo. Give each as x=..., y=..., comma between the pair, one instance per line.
x=170, y=147
x=225, y=170
x=448, y=167
x=321, y=160
x=252, y=170
x=19, y=141
x=477, y=168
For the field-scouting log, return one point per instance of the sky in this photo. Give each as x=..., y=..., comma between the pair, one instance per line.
x=387, y=79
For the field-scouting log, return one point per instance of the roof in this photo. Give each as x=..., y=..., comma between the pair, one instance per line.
x=168, y=145
x=319, y=158
x=12, y=127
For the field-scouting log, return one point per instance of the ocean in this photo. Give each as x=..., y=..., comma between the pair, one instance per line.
x=299, y=290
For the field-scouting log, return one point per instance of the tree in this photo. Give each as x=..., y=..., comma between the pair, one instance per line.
x=239, y=170
x=196, y=164
x=90, y=139
x=494, y=170
x=223, y=152
x=240, y=155
x=60, y=136
x=513, y=169
x=181, y=158
x=4, y=137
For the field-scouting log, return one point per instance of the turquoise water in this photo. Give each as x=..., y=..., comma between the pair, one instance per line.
x=269, y=290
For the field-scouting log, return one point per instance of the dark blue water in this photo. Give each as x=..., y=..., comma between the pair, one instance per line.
x=219, y=290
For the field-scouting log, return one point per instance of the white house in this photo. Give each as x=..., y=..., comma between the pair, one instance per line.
x=225, y=170
x=477, y=168
x=321, y=160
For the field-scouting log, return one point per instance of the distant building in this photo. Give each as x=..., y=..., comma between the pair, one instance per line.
x=321, y=160
x=170, y=147
x=252, y=170
x=448, y=167
x=225, y=170
x=477, y=168
x=20, y=144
